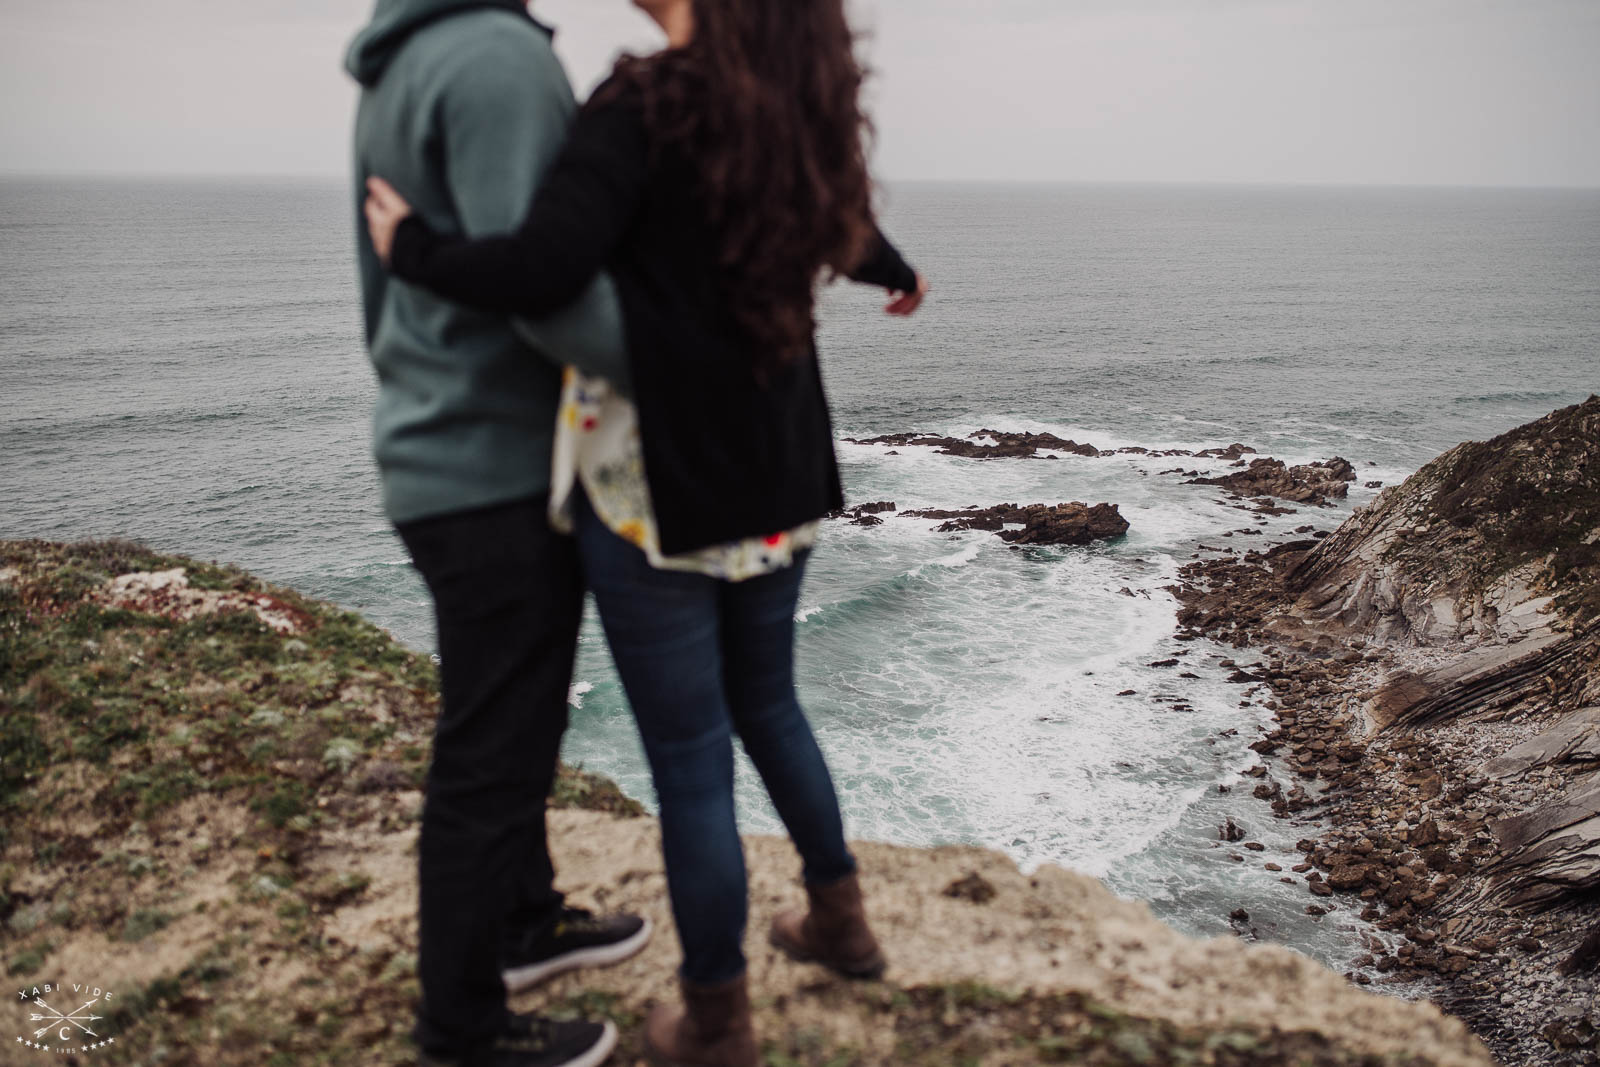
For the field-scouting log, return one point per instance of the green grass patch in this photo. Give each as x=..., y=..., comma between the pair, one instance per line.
x=110, y=719
x=23, y=752
x=223, y=643
x=109, y=728
x=352, y=644
x=285, y=802
x=576, y=788
x=152, y=791
x=27, y=963
x=594, y=1005
x=144, y=922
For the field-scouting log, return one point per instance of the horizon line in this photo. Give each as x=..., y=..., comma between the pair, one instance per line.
x=330, y=176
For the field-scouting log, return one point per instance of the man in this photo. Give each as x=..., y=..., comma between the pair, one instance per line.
x=464, y=107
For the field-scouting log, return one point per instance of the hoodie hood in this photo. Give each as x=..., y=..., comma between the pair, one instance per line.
x=395, y=21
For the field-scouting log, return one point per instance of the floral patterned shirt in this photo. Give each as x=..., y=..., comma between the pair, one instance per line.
x=597, y=445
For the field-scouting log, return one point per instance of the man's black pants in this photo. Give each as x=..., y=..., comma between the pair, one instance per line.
x=508, y=598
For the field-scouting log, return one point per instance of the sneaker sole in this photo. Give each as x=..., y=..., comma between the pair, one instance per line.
x=519, y=978
x=601, y=1052
x=593, y=1056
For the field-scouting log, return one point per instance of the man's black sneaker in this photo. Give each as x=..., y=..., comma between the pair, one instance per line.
x=574, y=938
x=533, y=1041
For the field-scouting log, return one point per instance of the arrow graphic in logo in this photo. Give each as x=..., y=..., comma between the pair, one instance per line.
x=76, y=1018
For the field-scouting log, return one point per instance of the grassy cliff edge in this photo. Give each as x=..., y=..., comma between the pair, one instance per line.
x=209, y=790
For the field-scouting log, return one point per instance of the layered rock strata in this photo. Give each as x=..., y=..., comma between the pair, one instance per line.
x=1434, y=669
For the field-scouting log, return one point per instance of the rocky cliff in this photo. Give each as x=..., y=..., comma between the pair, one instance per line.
x=1492, y=543
x=210, y=791
x=1436, y=663
x=1489, y=559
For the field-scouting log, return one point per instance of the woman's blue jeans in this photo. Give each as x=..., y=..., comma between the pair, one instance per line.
x=701, y=660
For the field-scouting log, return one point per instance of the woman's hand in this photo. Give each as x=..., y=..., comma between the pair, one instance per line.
x=385, y=210
x=906, y=304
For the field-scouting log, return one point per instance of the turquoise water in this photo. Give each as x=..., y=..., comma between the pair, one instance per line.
x=183, y=366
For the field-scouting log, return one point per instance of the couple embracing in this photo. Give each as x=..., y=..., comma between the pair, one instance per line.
x=593, y=333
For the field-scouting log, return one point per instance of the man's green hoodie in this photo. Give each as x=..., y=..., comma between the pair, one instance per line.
x=464, y=107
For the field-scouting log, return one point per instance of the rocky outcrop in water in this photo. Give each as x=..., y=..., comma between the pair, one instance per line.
x=1262, y=479
x=986, y=444
x=1003, y=444
x=1437, y=662
x=1029, y=524
x=1311, y=483
x=863, y=514
x=1041, y=524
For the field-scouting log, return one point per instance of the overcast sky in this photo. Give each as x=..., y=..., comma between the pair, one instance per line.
x=1490, y=92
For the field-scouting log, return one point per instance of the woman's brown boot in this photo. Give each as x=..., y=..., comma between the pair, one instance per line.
x=833, y=933
x=712, y=1029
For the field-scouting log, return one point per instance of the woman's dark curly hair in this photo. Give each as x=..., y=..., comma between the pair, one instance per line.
x=765, y=102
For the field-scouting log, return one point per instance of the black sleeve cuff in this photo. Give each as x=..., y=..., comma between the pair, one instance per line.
x=885, y=267
x=412, y=242
x=903, y=278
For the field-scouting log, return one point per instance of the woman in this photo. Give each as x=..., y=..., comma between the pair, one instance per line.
x=715, y=181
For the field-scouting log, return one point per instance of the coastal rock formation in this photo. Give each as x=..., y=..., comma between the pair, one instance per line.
x=1437, y=661
x=1574, y=739
x=1553, y=850
x=1311, y=483
x=1002, y=444
x=863, y=514
x=1263, y=479
x=1041, y=524
x=986, y=444
x=218, y=822
x=1493, y=540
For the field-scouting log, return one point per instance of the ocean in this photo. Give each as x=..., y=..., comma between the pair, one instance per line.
x=182, y=365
